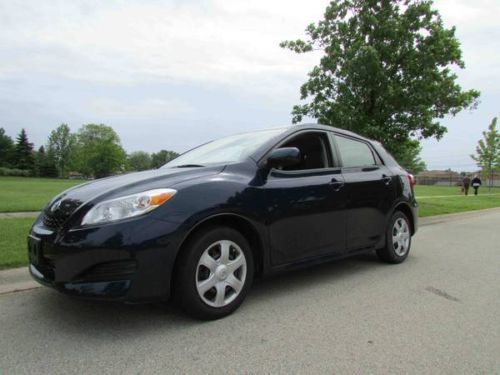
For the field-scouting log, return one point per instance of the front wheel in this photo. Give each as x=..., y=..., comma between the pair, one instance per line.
x=398, y=239
x=214, y=274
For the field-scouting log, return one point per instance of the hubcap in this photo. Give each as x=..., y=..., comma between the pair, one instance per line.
x=221, y=273
x=401, y=237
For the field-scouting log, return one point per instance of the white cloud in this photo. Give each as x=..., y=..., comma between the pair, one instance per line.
x=225, y=42
x=477, y=29
x=144, y=108
x=233, y=43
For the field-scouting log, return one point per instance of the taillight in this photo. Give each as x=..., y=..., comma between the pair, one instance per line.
x=411, y=180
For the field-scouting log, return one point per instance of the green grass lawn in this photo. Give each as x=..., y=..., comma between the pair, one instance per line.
x=438, y=200
x=30, y=194
x=13, y=248
x=426, y=190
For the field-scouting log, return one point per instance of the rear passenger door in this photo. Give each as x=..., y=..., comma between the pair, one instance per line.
x=370, y=190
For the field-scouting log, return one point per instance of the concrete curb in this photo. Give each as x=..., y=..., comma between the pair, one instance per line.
x=430, y=220
x=19, y=279
x=19, y=215
x=16, y=280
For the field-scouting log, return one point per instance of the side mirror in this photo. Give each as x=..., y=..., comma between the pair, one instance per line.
x=284, y=157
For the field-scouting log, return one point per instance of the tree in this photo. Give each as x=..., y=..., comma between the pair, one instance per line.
x=98, y=151
x=385, y=70
x=61, y=144
x=487, y=154
x=408, y=157
x=139, y=161
x=45, y=164
x=24, y=152
x=40, y=159
x=6, y=149
x=162, y=157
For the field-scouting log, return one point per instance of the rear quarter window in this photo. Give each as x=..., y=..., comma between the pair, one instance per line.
x=388, y=159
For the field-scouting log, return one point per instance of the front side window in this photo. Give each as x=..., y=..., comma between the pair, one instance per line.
x=314, y=151
x=354, y=153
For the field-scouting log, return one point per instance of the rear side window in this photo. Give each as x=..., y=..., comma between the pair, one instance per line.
x=354, y=153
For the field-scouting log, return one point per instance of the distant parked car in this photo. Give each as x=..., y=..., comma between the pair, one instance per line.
x=75, y=176
x=204, y=225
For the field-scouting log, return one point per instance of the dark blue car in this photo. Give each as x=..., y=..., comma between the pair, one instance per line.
x=204, y=225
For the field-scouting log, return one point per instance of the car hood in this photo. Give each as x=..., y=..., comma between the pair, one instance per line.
x=112, y=187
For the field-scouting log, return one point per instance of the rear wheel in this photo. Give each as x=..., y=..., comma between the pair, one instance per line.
x=398, y=239
x=214, y=274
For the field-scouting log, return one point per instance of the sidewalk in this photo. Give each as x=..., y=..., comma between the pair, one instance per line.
x=19, y=215
x=430, y=220
x=16, y=280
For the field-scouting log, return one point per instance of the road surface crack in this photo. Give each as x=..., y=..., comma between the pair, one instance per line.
x=441, y=293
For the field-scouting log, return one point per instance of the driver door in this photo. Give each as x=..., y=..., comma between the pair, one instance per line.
x=306, y=203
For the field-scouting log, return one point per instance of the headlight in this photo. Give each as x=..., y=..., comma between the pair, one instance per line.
x=128, y=206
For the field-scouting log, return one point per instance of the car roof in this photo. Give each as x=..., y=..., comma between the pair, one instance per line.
x=290, y=129
x=327, y=128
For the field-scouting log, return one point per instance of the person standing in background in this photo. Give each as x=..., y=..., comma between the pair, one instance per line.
x=466, y=185
x=476, y=182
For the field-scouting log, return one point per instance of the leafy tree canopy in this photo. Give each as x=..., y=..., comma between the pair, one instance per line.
x=386, y=70
x=139, y=161
x=487, y=154
x=44, y=164
x=61, y=144
x=162, y=157
x=98, y=151
x=6, y=149
x=408, y=157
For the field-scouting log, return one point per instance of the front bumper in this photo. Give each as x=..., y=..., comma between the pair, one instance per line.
x=109, y=290
x=129, y=261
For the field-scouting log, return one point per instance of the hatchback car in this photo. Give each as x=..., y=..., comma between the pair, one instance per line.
x=204, y=225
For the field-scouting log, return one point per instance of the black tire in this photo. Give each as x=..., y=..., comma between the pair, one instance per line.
x=391, y=253
x=186, y=276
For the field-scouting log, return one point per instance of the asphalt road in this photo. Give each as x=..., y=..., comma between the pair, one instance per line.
x=439, y=312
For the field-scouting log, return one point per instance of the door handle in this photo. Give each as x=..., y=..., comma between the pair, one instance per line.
x=386, y=179
x=336, y=185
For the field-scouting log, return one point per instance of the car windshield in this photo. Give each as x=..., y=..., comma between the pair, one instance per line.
x=227, y=150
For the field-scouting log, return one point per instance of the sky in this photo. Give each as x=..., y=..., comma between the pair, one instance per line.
x=174, y=74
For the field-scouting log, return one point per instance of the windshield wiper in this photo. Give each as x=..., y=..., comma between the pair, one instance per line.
x=189, y=166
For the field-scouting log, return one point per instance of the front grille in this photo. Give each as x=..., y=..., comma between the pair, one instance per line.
x=54, y=221
x=59, y=212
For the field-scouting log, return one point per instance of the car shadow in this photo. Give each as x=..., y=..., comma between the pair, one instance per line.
x=108, y=319
x=307, y=277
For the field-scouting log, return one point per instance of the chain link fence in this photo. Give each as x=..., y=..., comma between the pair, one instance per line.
x=453, y=179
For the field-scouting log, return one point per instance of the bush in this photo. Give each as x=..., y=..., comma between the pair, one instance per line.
x=14, y=172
